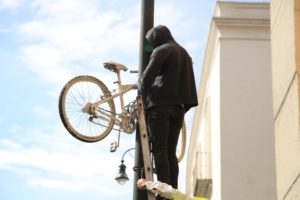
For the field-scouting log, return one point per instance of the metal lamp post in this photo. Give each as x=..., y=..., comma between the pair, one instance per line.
x=147, y=19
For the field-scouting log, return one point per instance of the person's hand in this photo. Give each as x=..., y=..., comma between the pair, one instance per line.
x=141, y=183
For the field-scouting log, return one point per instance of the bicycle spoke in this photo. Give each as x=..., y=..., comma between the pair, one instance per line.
x=72, y=95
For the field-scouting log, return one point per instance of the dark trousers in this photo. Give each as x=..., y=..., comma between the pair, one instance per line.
x=164, y=124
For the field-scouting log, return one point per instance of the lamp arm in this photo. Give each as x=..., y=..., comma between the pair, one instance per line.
x=122, y=160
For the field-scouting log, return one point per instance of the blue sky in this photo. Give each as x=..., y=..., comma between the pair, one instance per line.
x=44, y=43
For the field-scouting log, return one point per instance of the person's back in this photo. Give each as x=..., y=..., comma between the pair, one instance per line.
x=169, y=77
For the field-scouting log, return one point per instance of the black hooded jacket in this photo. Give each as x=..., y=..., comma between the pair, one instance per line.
x=168, y=78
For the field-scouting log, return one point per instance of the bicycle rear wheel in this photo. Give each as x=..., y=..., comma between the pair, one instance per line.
x=79, y=113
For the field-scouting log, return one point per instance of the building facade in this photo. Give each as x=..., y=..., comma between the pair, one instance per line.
x=285, y=36
x=231, y=154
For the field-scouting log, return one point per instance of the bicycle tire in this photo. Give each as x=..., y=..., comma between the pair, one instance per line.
x=182, y=143
x=73, y=99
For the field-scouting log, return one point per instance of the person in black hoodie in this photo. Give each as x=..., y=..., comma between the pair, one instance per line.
x=169, y=91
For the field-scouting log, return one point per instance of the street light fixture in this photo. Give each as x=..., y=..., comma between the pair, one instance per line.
x=122, y=177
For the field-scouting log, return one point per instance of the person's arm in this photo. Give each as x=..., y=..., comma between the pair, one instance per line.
x=157, y=59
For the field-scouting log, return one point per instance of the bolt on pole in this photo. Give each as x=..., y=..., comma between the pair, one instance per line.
x=147, y=21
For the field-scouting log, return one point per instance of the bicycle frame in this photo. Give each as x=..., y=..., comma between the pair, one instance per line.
x=122, y=89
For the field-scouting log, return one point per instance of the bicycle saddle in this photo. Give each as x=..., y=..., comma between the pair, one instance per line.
x=114, y=67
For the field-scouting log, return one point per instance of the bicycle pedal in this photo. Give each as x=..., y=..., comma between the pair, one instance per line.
x=113, y=146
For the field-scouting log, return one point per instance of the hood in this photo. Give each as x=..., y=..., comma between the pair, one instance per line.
x=159, y=35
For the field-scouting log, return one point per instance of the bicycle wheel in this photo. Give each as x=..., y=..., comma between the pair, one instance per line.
x=181, y=143
x=79, y=113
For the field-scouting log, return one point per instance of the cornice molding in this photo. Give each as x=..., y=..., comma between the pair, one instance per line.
x=241, y=22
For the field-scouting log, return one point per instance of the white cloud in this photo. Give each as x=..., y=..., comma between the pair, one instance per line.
x=15, y=128
x=9, y=4
x=76, y=185
x=47, y=156
x=70, y=185
x=162, y=18
x=44, y=112
x=8, y=144
x=70, y=9
x=46, y=62
x=4, y=30
x=66, y=32
x=82, y=169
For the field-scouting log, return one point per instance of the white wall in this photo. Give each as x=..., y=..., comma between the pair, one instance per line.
x=247, y=135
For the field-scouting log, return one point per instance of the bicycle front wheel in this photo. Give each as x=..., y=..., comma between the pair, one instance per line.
x=84, y=119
